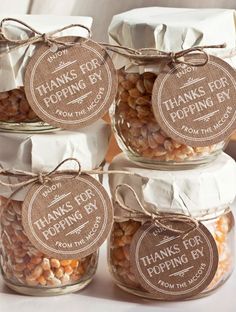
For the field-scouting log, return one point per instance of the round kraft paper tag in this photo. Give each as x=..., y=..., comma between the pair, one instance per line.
x=195, y=105
x=72, y=87
x=173, y=266
x=67, y=217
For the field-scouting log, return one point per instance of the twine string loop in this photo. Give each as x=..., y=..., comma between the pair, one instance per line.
x=164, y=220
x=147, y=56
x=37, y=36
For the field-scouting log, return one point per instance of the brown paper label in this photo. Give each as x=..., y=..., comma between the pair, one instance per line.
x=195, y=105
x=72, y=87
x=171, y=266
x=67, y=217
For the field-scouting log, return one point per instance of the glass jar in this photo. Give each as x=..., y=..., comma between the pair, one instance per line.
x=221, y=228
x=140, y=136
x=16, y=114
x=204, y=194
x=167, y=30
x=27, y=270
x=24, y=267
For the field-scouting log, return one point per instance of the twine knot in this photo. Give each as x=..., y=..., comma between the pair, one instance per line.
x=173, y=57
x=46, y=38
x=43, y=178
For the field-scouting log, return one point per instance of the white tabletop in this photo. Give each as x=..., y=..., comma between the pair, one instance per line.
x=102, y=295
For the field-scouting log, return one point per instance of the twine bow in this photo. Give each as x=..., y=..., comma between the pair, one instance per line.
x=44, y=177
x=48, y=38
x=148, y=56
x=160, y=219
x=41, y=177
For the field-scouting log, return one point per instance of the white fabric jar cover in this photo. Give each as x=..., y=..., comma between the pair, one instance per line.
x=13, y=64
x=43, y=152
x=173, y=30
x=201, y=192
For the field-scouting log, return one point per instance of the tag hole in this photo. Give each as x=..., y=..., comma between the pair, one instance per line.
x=54, y=48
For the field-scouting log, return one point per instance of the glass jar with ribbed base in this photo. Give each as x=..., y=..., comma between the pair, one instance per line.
x=221, y=228
x=29, y=271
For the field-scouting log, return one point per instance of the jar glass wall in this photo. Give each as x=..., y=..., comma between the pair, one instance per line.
x=140, y=136
x=29, y=271
x=221, y=228
x=17, y=115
